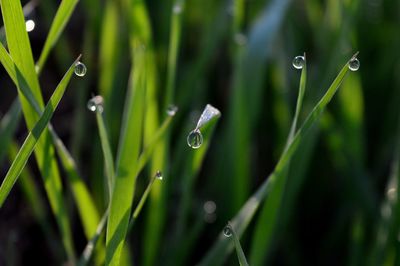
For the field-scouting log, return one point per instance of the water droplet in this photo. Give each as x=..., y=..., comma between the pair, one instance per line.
x=298, y=62
x=80, y=69
x=177, y=9
x=209, y=206
x=227, y=231
x=159, y=175
x=240, y=39
x=354, y=64
x=171, y=110
x=30, y=25
x=209, y=113
x=195, y=139
x=96, y=104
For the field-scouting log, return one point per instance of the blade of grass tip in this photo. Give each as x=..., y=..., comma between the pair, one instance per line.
x=61, y=18
x=90, y=246
x=20, y=50
x=33, y=137
x=221, y=248
x=87, y=210
x=126, y=167
x=8, y=125
x=270, y=212
x=239, y=250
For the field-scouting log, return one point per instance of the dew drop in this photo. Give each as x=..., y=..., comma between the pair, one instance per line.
x=177, y=9
x=96, y=104
x=298, y=62
x=30, y=25
x=227, y=231
x=195, y=139
x=354, y=64
x=80, y=69
x=171, y=110
x=159, y=175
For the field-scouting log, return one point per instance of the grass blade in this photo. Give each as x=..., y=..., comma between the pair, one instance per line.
x=8, y=125
x=126, y=169
x=33, y=137
x=221, y=248
x=239, y=251
x=270, y=212
x=63, y=14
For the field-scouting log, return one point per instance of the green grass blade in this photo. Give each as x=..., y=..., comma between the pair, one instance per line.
x=8, y=125
x=86, y=207
x=128, y=154
x=239, y=250
x=270, y=212
x=221, y=248
x=63, y=14
x=33, y=137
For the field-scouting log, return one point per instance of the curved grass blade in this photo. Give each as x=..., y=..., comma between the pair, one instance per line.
x=270, y=212
x=33, y=137
x=239, y=251
x=126, y=168
x=8, y=125
x=86, y=207
x=221, y=249
x=63, y=14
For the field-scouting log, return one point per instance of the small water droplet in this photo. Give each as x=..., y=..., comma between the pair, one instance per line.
x=227, y=231
x=298, y=62
x=159, y=175
x=354, y=64
x=171, y=110
x=80, y=69
x=195, y=139
x=240, y=39
x=30, y=25
x=209, y=206
x=96, y=104
x=177, y=9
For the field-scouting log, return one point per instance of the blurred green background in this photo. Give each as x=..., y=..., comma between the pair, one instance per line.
x=339, y=205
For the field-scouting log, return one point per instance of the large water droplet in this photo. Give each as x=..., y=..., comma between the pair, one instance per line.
x=227, y=231
x=30, y=25
x=171, y=110
x=80, y=69
x=195, y=139
x=298, y=62
x=354, y=64
x=96, y=104
x=159, y=175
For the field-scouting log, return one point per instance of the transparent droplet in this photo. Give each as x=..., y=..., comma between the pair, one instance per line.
x=171, y=110
x=227, y=231
x=30, y=25
x=159, y=175
x=80, y=69
x=240, y=39
x=177, y=9
x=298, y=62
x=209, y=113
x=209, y=206
x=195, y=139
x=354, y=64
x=96, y=104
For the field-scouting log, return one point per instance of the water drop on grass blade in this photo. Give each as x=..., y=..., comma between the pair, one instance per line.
x=96, y=104
x=298, y=62
x=30, y=25
x=159, y=175
x=195, y=139
x=80, y=69
x=171, y=110
x=177, y=9
x=354, y=64
x=227, y=231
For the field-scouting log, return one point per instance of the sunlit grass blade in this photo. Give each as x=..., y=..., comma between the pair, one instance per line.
x=217, y=254
x=85, y=204
x=239, y=250
x=20, y=50
x=61, y=18
x=8, y=125
x=270, y=213
x=126, y=167
x=33, y=137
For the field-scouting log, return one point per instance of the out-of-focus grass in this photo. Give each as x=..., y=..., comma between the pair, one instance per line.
x=339, y=192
